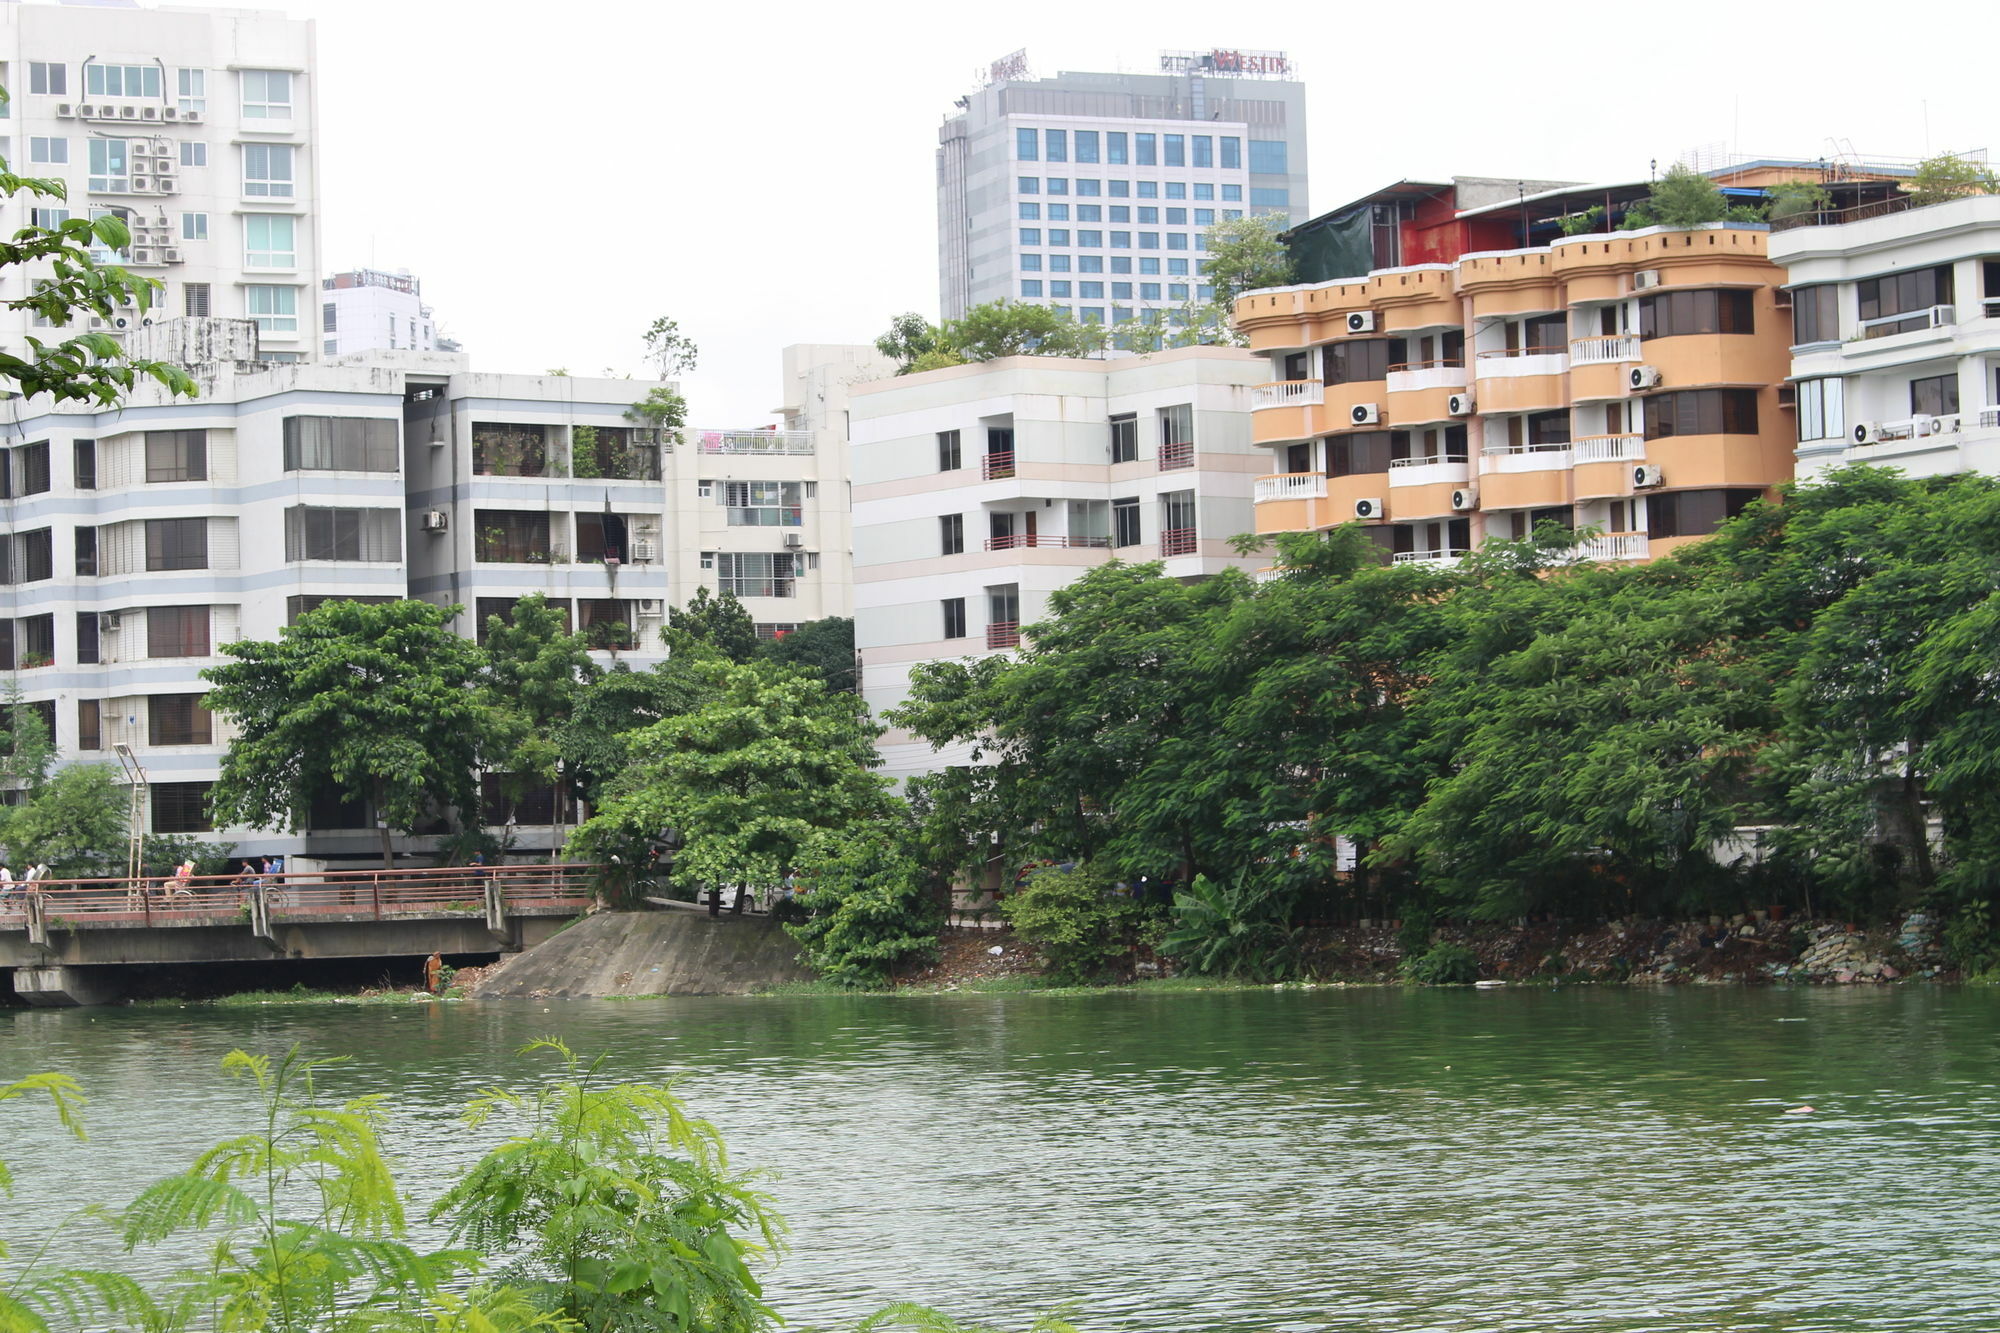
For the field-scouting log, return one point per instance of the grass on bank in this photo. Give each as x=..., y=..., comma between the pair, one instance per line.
x=300, y=994
x=1033, y=985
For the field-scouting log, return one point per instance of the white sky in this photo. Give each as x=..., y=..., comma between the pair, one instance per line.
x=560, y=174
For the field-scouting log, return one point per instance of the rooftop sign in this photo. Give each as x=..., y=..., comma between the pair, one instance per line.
x=1252, y=64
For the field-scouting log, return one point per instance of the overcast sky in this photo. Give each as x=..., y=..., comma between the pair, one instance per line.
x=560, y=174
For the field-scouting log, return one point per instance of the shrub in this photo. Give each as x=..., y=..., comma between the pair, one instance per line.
x=868, y=910
x=1242, y=929
x=1072, y=918
x=1443, y=965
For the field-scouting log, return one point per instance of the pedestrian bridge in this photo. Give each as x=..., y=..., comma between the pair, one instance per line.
x=64, y=940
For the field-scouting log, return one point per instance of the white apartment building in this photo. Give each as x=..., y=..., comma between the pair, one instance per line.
x=136, y=541
x=365, y=310
x=1896, y=332
x=197, y=126
x=981, y=489
x=1093, y=192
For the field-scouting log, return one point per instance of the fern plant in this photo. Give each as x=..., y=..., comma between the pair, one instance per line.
x=615, y=1208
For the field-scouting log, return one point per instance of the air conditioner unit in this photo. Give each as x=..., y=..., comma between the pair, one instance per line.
x=1646, y=475
x=149, y=113
x=160, y=220
x=649, y=606
x=107, y=622
x=86, y=110
x=1371, y=508
x=142, y=185
x=1922, y=426
x=65, y=110
x=97, y=323
x=129, y=112
x=170, y=256
x=142, y=257
x=794, y=540
x=191, y=117
x=170, y=184
x=1644, y=377
x=1361, y=321
x=1465, y=499
x=436, y=520
x=1459, y=405
x=1867, y=432
x=644, y=552
x=1645, y=278
x=170, y=113
x=1365, y=414
x=120, y=322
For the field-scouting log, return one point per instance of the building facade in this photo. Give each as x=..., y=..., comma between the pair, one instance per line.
x=981, y=489
x=136, y=541
x=366, y=310
x=1896, y=336
x=197, y=127
x=1092, y=192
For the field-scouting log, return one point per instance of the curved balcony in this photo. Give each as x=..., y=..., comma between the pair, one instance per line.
x=1450, y=555
x=1535, y=476
x=1445, y=469
x=1289, y=486
x=1285, y=410
x=1421, y=391
x=1022, y=541
x=1522, y=379
x=1287, y=393
x=1610, y=449
x=1614, y=546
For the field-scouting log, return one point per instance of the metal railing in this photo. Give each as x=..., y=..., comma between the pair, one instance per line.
x=1040, y=539
x=1431, y=461
x=996, y=467
x=376, y=895
x=1290, y=486
x=1613, y=546
x=1829, y=217
x=1520, y=361
x=750, y=441
x=1610, y=448
x=1603, y=350
x=1287, y=393
x=1178, y=541
x=1918, y=427
x=1931, y=317
x=1176, y=455
x=1003, y=634
x=1439, y=557
x=1989, y=416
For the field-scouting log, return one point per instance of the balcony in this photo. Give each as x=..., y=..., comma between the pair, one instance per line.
x=1053, y=541
x=1613, y=546
x=1178, y=541
x=1176, y=455
x=1446, y=556
x=1604, y=351
x=751, y=441
x=1450, y=469
x=1914, y=428
x=1989, y=417
x=1528, y=458
x=1288, y=393
x=997, y=467
x=1414, y=376
x=1290, y=486
x=1519, y=362
x=1909, y=321
x=1610, y=448
x=1003, y=634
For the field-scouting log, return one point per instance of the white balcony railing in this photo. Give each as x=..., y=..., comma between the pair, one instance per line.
x=1288, y=393
x=1428, y=471
x=1601, y=351
x=1523, y=361
x=1443, y=557
x=1989, y=417
x=1613, y=546
x=1290, y=486
x=1610, y=448
x=1527, y=458
x=1427, y=375
x=1912, y=428
x=1936, y=317
x=750, y=441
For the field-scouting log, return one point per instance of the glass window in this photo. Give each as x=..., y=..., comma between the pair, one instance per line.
x=267, y=170
x=1058, y=236
x=1177, y=268
x=1029, y=185
x=1232, y=194
x=950, y=457
x=194, y=154
x=1176, y=189
x=177, y=719
x=340, y=444
x=1177, y=240
x=1056, y=144
x=951, y=534
x=1121, y=291
x=270, y=241
x=1090, y=213
x=1121, y=240
x=1204, y=217
x=1121, y=189
x=1677, y=313
x=1058, y=289
x=1125, y=521
x=1700, y=412
x=1232, y=153
x=759, y=504
x=135, y=81
x=1149, y=189
x=1121, y=263
x=1114, y=147
x=1031, y=287
x=1267, y=157
x=1089, y=263
x=176, y=455
x=48, y=218
x=1026, y=145
x=1913, y=293
x=1124, y=438
x=193, y=88
x=1934, y=396
x=1149, y=240
x=1177, y=291
x=1231, y=214
x=1031, y=263
x=267, y=94
x=1816, y=315
x=181, y=807
x=1204, y=150
x=44, y=77
x=1360, y=360
x=954, y=617
x=1090, y=291
x=1058, y=185
x=33, y=466
x=1090, y=189
x=48, y=150
x=1270, y=198
x=1204, y=190
x=1031, y=235
x=110, y=168
x=1094, y=238
x=176, y=543
x=1057, y=212
x=1091, y=314
x=1086, y=145
x=276, y=309
x=1695, y=513
x=755, y=573
x=1149, y=215
x=1149, y=291
x=1176, y=150
x=314, y=532
x=1030, y=212
x=194, y=227
x=1058, y=263
x=1177, y=217
x=1147, y=265
x=1822, y=411
x=84, y=464
x=1121, y=212
x=1147, y=146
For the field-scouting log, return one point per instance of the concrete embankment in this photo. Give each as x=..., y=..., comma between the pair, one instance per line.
x=650, y=953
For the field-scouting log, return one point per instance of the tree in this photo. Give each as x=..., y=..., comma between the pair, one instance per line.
x=536, y=670
x=1071, y=915
x=1948, y=176
x=765, y=763
x=1008, y=328
x=669, y=349
x=373, y=703
x=916, y=344
x=1685, y=198
x=26, y=749
x=712, y=624
x=75, y=822
x=867, y=908
x=1792, y=198
x=595, y=738
x=824, y=646
x=1245, y=254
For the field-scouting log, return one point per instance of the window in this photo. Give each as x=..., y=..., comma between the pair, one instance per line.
x=1058, y=213
x=33, y=460
x=300, y=605
x=1056, y=145
x=1029, y=212
x=1268, y=157
x=1365, y=452
x=1701, y=412
x=1695, y=513
x=1058, y=263
x=48, y=150
x=1089, y=213
x=194, y=297
x=192, y=85
x=1147, y=146
x=1124, y=438
x=950, y=457
x=1031, y=263
x=276, y=309
x=1815, y=314
x=1270, y=198
x=48, y=218
x=34, y=556
x=1176, y=190
x=1177, y=523
x=181, y=807
x=1204, y=150
x=85, y=543
x=951, y=534
x=1121, y=291
x=1086, y=145
x=110, y=167
x=1114, y=148
x=89, y=733
x=1176, y=146
x=1031, y=287
x=176, y=455
x=1821, y=409
x=1090, y=291
x=1204, y=217
x=135, y=81
x=1934, y=396
x=1031, y=235
x=84, y=461
x=954, y=617
x=763, y=504
x=313, y=532
x=1913, y=293
x=1150, y=216
x=194, y=227
x=1356, y=362
x=1026, y=145
x=176, y=543
x=267, y=170
x=1149, y=189
x=340, y=444
x=1177, y=217
x=1177, y=240
x=1121, y=189
x=1149, y=291
x=1121, y=240
x=194, y=154
x=47, y=78
x=1177, y=291
x=1232, y=194
x=177, y=631
x=1149, y=240
x=1059, y=288
x=1028, y=185
x=267, y=94
x=1674, y=314
x=270, y=240
x=1232, y=154
x=603, y=538
x=1125, y=521
x=1176, y=428
x=1058, y=185
x=755, y=573
x=178, y=719
x=1091, y=189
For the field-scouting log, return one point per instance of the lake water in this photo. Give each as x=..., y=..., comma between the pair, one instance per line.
x=1380, y=1160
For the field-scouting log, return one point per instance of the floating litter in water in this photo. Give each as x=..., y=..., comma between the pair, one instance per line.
x=1799, y=1110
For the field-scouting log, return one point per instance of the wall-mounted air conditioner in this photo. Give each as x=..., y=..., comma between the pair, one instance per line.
x=1645, y=279
x=191, y=117
x=794, y=540
x=1369, y=508
x=436, y=520
x=65, y=110
x=1465, y=499
x=644, y=552
x=1644, y=377
x=1361, y=321
x=1365, y=414
x=1867, y=432
x=107, y=622
x=1459, y=405
x=1646, y=476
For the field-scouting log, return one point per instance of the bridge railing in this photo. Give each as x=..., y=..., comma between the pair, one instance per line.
x=534, y=890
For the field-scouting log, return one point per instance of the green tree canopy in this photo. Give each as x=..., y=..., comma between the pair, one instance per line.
x=824, y=646
x=536, y=673
x=711, y=624
x=1245, y=254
